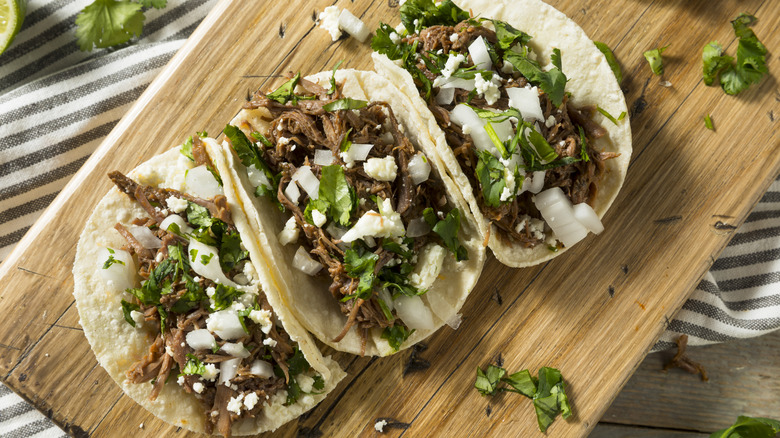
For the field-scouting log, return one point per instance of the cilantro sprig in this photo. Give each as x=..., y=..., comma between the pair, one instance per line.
x=548, y=391
x=750, y=64
x=750, y=427
x=106, y=23
x=655, y=60
x=447, y=229
x=396, y=335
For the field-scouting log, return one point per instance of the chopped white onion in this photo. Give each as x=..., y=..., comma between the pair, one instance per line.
x=262, y=369
x=464, y=84
x=504, y=130
x=323, y=157
x=145, y=237
x=586, y=216
x=201, y=183
x=225, y=324
x=462, y=115
x=118, y=276
x=308, y=181
x=414, y=313
x=353, y=25
x=204, y=260
x=556, y=209
x=445, y=96
x=537, y=182
x=201, y=339
x=419, y=168
x=526, y=101
x=335, y=232
x=387, y=297
x=257, y=177
x=292, y=192
x=178, y=220
x=359, y=151
x=228, y=369
x=370, y=241
x=303, y=262
x=418, y=227
x=235, y=350
x=454, y=321
x=479, y=54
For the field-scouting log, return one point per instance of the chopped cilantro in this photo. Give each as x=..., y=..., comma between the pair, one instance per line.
x=750, y=65
x=545, y=151
x=552, y=82
x=250, y=156
x=345, y=143
x=447, y=229
x=111, y=260
x=713, y=61
x=654, y=59
x=360, y=264
x=186, y=148
x=496, y=141
x=319, y=383
x=427, y=13
x=750, y=427
x=318, y=204
x=223, y=296
x=398, y=279
x=583, y=146
x=508, y=36
x=611, y=60
x=610, y=116
x=340, y=197
x=345, y=104
x=708, y=122
x=487, y=381
x=396, y=335
x=286, y=92
x=163, y=318
x=190, y=299
x=490, y=173
x=296, y=365
x=206, y=259
x=230, y=252
x=199, y=215
x=193, y=366
x=333, y=78
x=126, y=309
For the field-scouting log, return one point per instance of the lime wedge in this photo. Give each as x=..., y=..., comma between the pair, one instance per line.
x=11, y=18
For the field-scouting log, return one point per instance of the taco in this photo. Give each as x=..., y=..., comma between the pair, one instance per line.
x=509, y=99
x=177, y=309
x=374, y=249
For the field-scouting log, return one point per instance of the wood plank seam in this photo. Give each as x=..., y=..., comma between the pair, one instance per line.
x=633, y=25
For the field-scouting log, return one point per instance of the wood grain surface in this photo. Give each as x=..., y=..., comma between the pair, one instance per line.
x=593, y=313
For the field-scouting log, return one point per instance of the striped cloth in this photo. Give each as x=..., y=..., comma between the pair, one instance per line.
x=78, y=97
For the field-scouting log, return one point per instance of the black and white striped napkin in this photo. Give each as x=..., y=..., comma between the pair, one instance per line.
x=58, y=103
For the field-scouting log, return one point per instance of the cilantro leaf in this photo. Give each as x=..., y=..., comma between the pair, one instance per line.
x=319, y=383
x=193, y=366
x=610, y=116
x=186, y=149
x=713, y=61
x=345, y=104
x=224, y=296
x=656, y=62
x=508, y=36
x=106, y=23
x=550, y=398
x=318, y=204
x=360, y=264
x=427, y=13
x=383, y=43
x=708, y=122
x=199, y=215
x=490, y=173
x=611, y=60
x=296, y=364
x=335, y=190
x=447, y=229
x=750, y=427
x=552, y=82
x=157, y=4
x=126, y=309
x=396, y=335
x=487, y=381
x=333, y=78
x=521, y=382
x=191, y=298
x=230, y=252
x=111, y=260
x=545, y=151
x=391, y=279
x=250, y=155
x=750, y=64
x=584, y=144
x=286, y=92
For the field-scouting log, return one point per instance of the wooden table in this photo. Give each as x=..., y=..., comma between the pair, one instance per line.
x=593, y=312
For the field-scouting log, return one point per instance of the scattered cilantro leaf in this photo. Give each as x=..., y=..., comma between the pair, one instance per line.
x=750, y=427
x=447, y=229
x=713, y=62
x=610, y=116
x=111, y=260
x=318, y=204
x=656, y=62
x=345, y=104
x=360, y=264
x=250, y=156
x=490, y=173
x=521, y=382
x=552, y=82
x=286, y=92
x=396, y=335
x=223, y=296
x=186, y=149
x=106, y=23
x=708, y=122
x=611, y=60
x=546, y=152
x=508, y=36
x=335, y=190
x=427, y=13
x=319, y=383
x=193, y=366
x=198, y=215
x=126, y=309
x=332, y=88
x=584, y=146
x=230, y=252
x=487, y=381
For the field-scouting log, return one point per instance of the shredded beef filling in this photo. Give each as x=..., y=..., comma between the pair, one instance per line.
x=579, y=180
x=168, y=354
x=305, y=127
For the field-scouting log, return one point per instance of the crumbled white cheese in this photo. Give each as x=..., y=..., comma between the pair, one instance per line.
x=235, y=404
x=454, y=37
x=452, y=64
x=381, y=169
x=290, y=232
x=506, y=194
x=180, y=380
x=138, y=317
x=168, y=351
x=379, y=426
x=283, y=141
x=466, y=129
x=249, y=271
x=487, y=88
x=177, y=205
x=250, y=401
x=550, y=122
x=198, y=387
x=535, y=226
x=318, y=218
x=270, y=342
x=263, y=318
x=395, y=38
x=305, y=382
x=210, y=372
x=386, y=224
x=428, y=268
x=329, y=20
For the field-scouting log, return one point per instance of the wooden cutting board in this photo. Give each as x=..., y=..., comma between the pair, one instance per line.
x=593, y=313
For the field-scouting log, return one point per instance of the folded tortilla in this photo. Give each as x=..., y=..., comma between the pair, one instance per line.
x=118, y=345
x=591, y=82
x=308, y=296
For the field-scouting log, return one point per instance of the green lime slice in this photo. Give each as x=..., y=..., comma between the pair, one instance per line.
x=11, y=18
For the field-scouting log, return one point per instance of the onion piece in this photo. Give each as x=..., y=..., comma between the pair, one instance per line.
x=445, y=96
x=323, y=157
x=145, y=237
x=292, y=192
x=204, y=260
x=225, y=324
x=526, y=101
x=179, y=221
x=228, y=369
x=479, y=54
x=537, y=181
x=235, y=350
x=120, y=274
x=257, y=177
x=359, y=151
x=303, y=262
x=335, y=232
x=201, y=339
x=308, y=181
x=414, y=313
x=353, y=25
x=262, y=369
x=464, y=84
x=419, y=168
x=556, y=209
x=201, y=183
x=418, y=227
x=585, y=214
x=504, y=130
x=462, y=116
